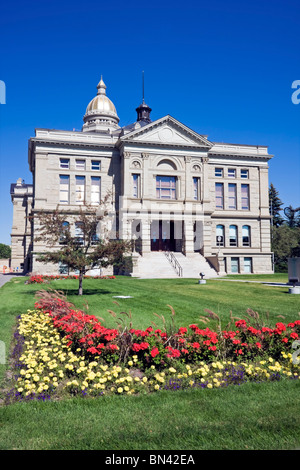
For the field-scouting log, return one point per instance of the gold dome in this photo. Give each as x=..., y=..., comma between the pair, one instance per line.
x=101, y=104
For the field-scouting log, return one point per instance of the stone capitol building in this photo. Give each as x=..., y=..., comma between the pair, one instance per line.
x=189, y=204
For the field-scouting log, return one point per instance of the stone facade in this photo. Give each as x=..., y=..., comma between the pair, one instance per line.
x=172, y=189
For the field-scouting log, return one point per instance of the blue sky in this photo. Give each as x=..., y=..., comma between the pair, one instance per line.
x=224, y=69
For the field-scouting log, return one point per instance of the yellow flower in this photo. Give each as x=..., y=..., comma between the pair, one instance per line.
x=120, y=390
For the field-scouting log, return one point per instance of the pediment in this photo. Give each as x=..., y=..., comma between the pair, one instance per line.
x=167, y=131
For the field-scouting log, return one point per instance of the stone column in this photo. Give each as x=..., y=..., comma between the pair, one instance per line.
x=146, y=234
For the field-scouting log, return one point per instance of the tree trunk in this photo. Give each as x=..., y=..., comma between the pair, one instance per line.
x=80, y=283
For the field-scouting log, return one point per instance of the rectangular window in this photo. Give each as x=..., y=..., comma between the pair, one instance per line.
x=136, y=185
x=80, y=165
x=231, y=173
x=232, y=196
x=219, y=172
x=64, y=163
x=63, y=268
x=64, y=189
x=95, y=189
x=219, y=196
x=196, y=188
x=244, y=174
x=234, y=265
x=96, y=165
x=80, y=190
x=245, y=196
x=166, y=187
x=248, y=265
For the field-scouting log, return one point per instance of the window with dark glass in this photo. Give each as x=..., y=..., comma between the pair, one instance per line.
x=246, y=240
x=196, y=188
x=79, y=235
x=64, y=163
x=64, y=230
x=96, y=165
x=136, y=185
x=233, y=238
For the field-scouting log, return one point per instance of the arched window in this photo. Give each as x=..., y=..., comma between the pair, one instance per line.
x=233, y=235
x=79, y=233
x=63, y=233
x=220, y=235
x=246, y=235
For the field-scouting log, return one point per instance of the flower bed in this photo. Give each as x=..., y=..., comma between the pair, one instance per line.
x=43, y=278
x=61, y=351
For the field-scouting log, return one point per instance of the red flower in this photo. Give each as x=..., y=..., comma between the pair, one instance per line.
x=154, y=352
x=182, y=331
x=196, y=345
x=258, y=345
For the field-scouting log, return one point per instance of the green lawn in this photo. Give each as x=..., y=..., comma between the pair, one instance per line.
x=250, y=416
x=186, y=296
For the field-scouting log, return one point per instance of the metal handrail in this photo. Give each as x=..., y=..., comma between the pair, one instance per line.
x=174, y=261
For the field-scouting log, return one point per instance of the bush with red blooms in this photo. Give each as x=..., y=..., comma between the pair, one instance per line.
x=156, y=347
x=44, y=278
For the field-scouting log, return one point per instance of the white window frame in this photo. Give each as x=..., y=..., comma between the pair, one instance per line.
x=64, y=189
x=95, y=189
x=171, y=189
x=221, y=198
x=80, y=190
x=80, y=164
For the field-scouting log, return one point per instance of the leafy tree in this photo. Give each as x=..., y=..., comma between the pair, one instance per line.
x=83, y=250
x=292, y=216
x=285, y=244
x=5, y=251
x=275, y=204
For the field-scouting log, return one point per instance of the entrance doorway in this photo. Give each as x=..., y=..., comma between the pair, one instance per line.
x=162, y=235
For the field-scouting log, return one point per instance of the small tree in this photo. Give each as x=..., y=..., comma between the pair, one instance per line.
x=86, y=248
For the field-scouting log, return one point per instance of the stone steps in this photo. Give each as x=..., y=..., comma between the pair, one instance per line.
x=155, y=265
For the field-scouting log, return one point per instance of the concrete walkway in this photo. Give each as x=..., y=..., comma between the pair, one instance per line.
x=4, y=278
